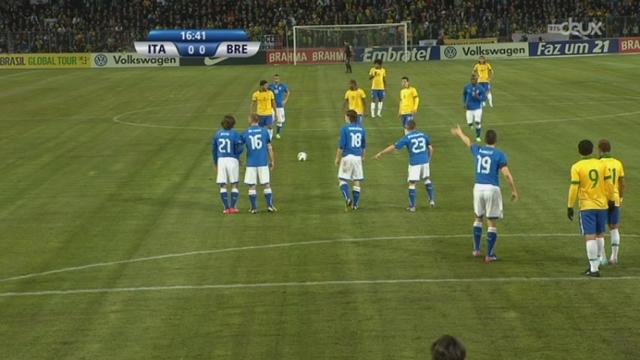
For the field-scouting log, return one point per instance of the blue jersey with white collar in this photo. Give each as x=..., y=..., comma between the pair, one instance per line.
x=352, y=140
x=417, y=144
x=488, y=161
x=279, y=91
x=226, y=143
x=256, y=139
x=473, y=96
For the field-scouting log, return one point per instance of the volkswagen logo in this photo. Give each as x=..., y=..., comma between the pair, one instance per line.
x=450, y=52
x=101, y=60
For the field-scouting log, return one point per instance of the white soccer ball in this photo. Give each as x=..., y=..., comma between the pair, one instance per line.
x=302, y=156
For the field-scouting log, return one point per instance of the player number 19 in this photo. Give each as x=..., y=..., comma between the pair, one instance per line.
x=484, y=164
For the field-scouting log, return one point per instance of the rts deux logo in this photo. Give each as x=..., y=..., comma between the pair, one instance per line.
x=576, y=28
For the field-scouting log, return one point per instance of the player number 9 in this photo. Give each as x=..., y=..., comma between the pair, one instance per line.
x=593, y=176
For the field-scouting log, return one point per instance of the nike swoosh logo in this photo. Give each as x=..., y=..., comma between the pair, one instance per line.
x=213, y=61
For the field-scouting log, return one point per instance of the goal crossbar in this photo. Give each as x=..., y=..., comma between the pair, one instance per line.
x=350, y=27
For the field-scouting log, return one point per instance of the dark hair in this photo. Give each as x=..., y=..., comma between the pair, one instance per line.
x=405, y=78
x=262, y=82
x=352, y=115
x=411, y=125
x=352, y=81
x=228, y=122
x=254, y=118
x=491, y=137
x=378, y=61
x=276, y=75
x=448, y=348
x=604, y=145
x=585, y=147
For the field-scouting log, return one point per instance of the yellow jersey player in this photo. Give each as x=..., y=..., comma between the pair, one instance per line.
x=377, y=75
x=409, y=101
x=591, y=185
x=263, y=104
x=354, y=100
x=617, y=179
x=484, y=71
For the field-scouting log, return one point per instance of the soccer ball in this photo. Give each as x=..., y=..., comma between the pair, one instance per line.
x=302, y=156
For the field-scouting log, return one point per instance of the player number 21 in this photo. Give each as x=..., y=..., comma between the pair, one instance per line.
x=224, y=143
x=484, y=165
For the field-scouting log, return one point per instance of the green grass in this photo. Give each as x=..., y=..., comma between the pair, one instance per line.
x=78, y=188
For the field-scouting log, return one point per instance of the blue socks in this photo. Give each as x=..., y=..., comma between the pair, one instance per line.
x=344, y=188
x=224, y=197
x=477, y=235
x=429, y=187
x=492, y=236
x=279, y=128
x=356, y=195
x=412, y=197
x=478, y=131
x=268, y=197
x=253, y=199
x=234, y=197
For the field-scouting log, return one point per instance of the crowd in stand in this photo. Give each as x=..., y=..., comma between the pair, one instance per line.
x=113, y=25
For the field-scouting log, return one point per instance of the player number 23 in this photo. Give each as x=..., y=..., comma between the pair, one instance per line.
x=418, y=145
x=484, y=165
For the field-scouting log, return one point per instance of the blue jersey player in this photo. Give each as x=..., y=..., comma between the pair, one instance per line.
x=226, y=148
x=489, y=162
x=420, y=152
x=472, y=96
x=281, y=93
x=349, y=156
x=260, y=160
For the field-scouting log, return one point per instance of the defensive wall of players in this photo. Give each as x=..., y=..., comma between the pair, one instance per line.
x=332, y=55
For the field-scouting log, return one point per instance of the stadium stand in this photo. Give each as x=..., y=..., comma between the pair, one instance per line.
x=113, y=25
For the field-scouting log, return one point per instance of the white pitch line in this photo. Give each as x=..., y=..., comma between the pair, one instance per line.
x=313, y=283
x=118, y=119
x=268, y=246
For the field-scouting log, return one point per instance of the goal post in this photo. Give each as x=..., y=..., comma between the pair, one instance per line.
x=359, y=36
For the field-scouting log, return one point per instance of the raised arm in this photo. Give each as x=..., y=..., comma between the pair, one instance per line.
x=386, y=150
x=457, y=131
x=507, y=174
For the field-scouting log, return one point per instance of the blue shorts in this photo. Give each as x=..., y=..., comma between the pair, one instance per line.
x=265, y=120
x=377, y=94
x=485, y=86
x=405, y=119
x=593, y=221
x=614, y=216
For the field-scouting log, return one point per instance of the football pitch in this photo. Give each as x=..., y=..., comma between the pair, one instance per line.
x=113, y=244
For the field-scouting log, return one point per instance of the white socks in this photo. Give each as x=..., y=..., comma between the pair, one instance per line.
x=601, y=253
x=270, y=133
x=490, y=98
x=380, y=109
x=373, y=109
x=615, y=243
x=592, y=254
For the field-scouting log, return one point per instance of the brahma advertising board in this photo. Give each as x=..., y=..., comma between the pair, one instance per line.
x=630, y=45
x=306, y=56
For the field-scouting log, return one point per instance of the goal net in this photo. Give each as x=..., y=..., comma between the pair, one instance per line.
x=358, y=36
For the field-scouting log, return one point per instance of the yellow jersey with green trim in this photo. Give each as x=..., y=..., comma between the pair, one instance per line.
x=591, y=184
x=408, y=100
x=264, y=100
x=617, y=172
x=483, y=71
x=377, y=82
x=355, y=99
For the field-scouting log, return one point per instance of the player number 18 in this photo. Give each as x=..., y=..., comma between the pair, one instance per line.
x=356, y=140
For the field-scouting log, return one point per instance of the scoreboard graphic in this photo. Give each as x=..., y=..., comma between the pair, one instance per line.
x=198, y=43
